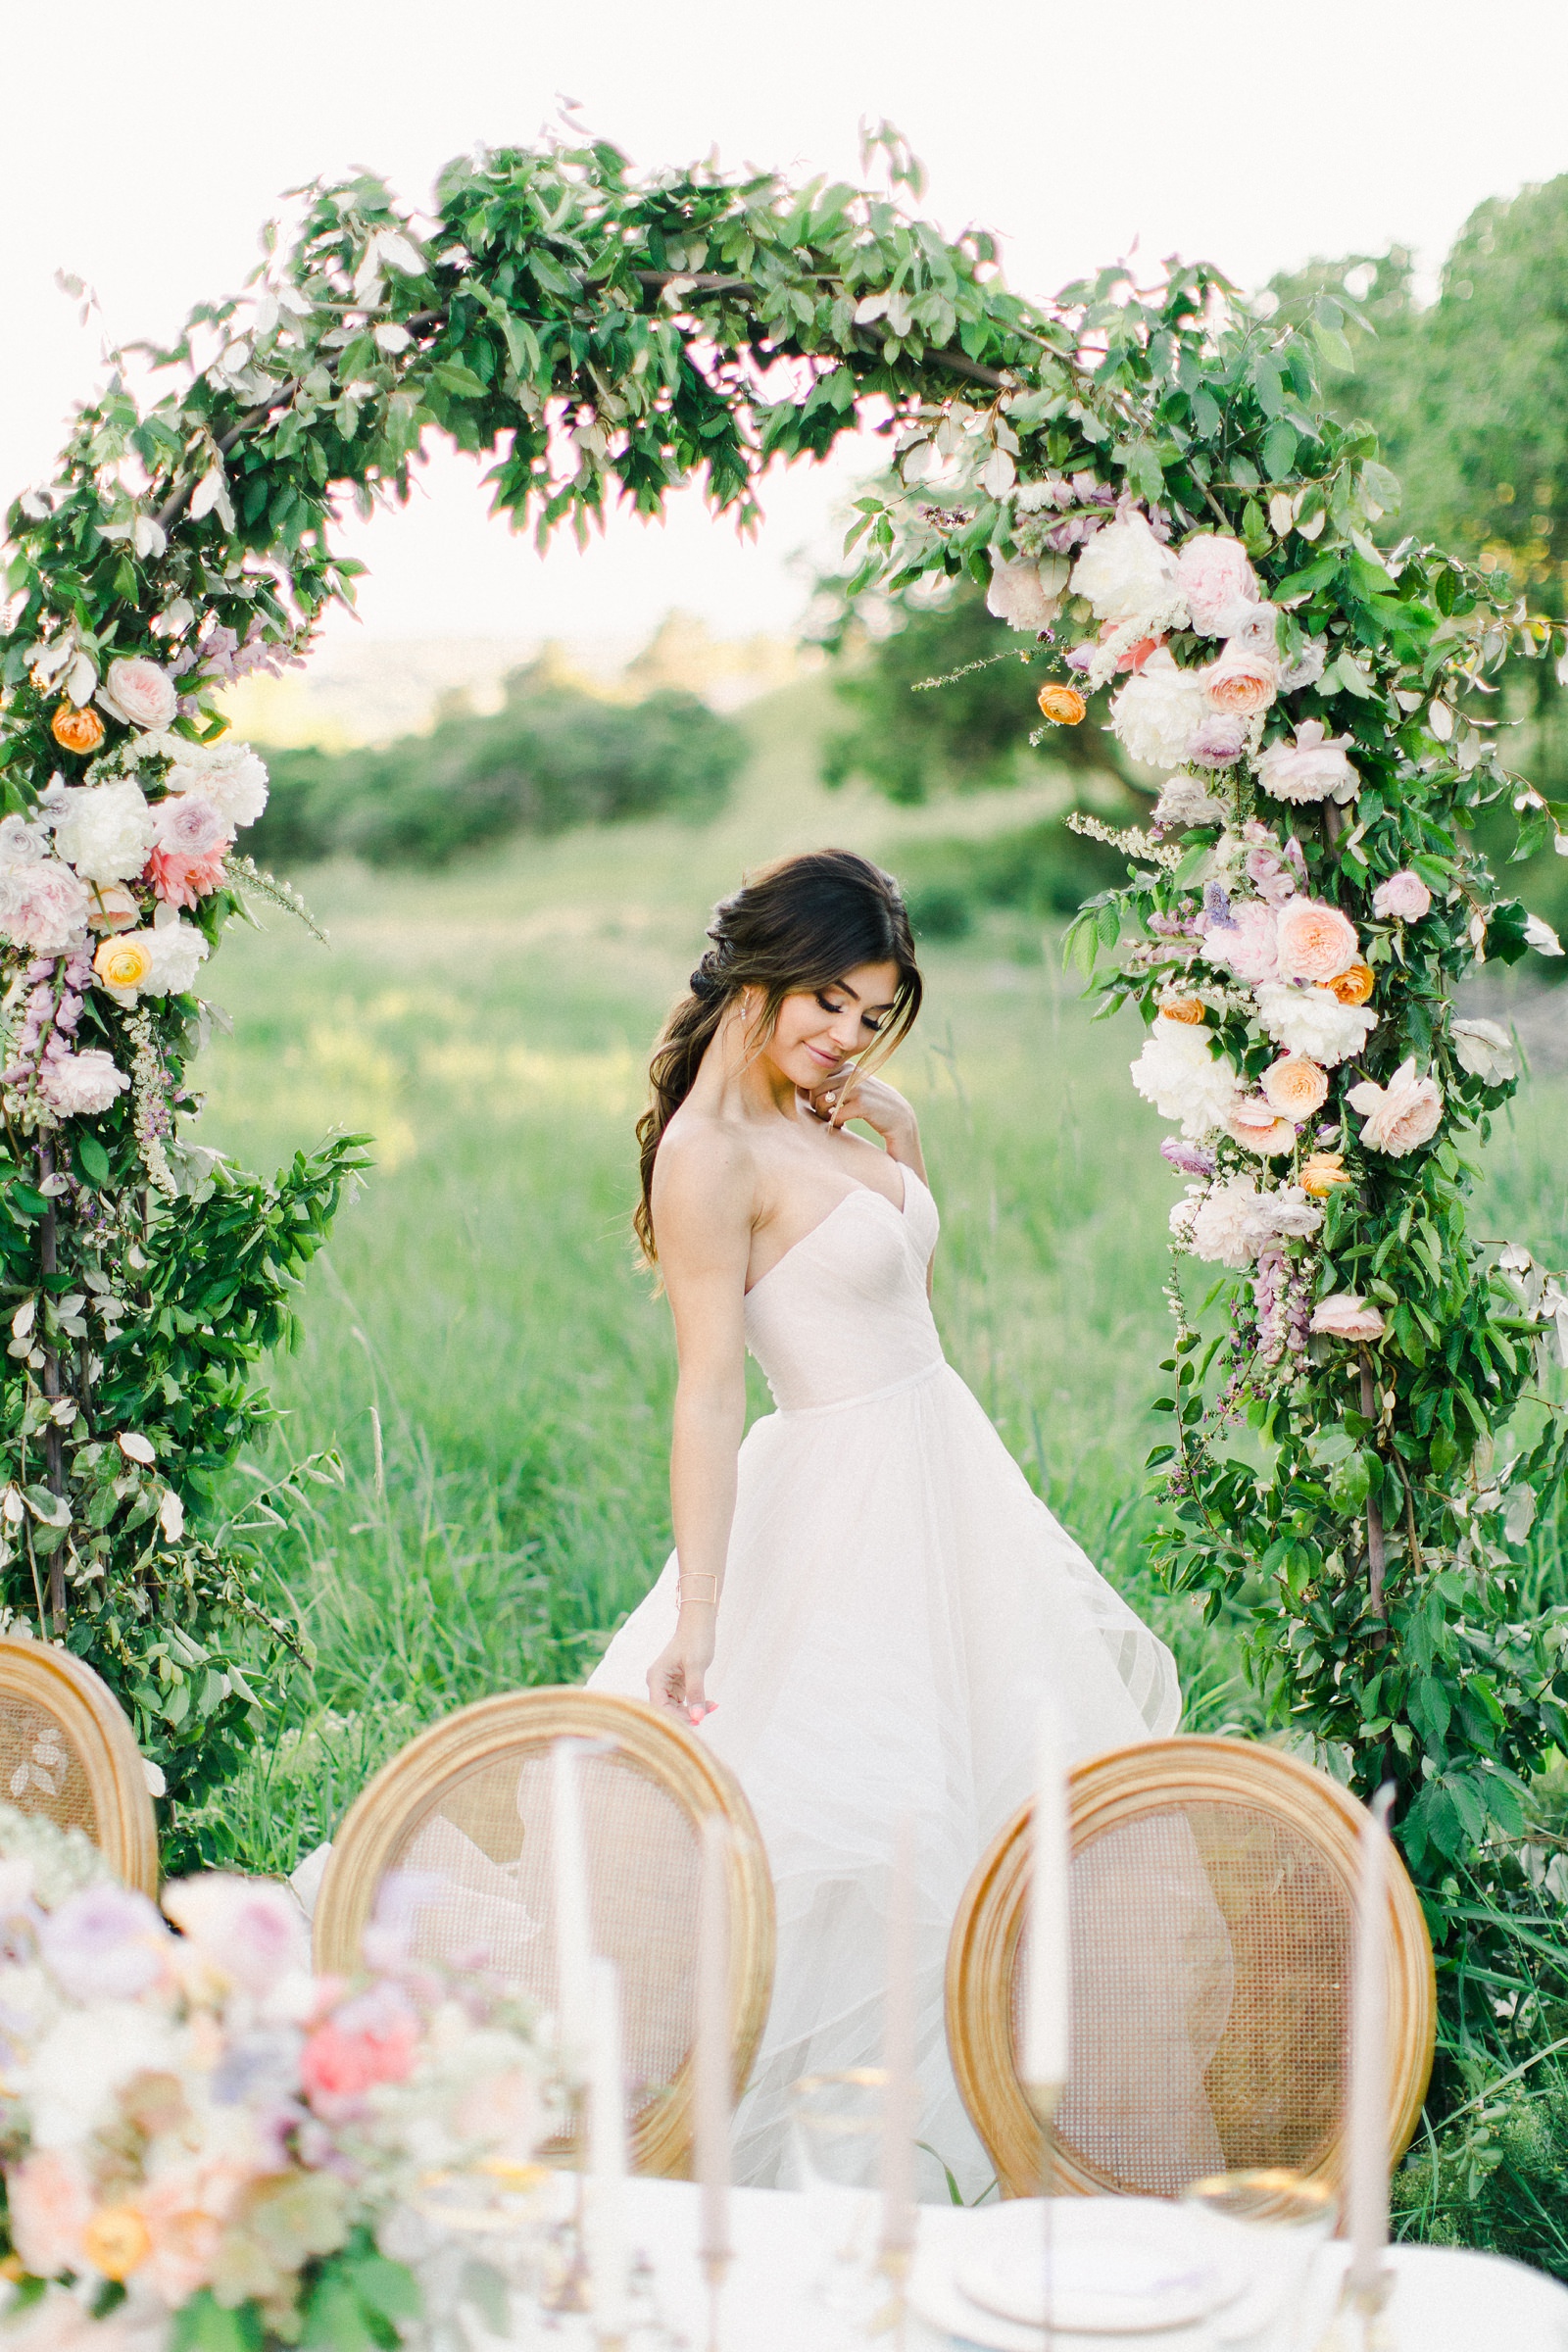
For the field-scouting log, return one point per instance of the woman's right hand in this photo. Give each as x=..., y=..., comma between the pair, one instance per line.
x=678, y=1675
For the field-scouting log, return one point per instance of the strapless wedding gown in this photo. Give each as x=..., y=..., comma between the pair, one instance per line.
x=897, y=1603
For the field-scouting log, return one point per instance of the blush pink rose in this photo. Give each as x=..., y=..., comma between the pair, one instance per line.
x=142, y=694
x=1241, y=683
x=1345, y=1317
x=181, y=881
x=1296, y=1086
x=1218, y=583
x=1256, y=1127
x=1247, y=945
x=51, y=2205
x=337, y=2067
x=1317, y=942
x=1402, y=899
x=1398, y=1118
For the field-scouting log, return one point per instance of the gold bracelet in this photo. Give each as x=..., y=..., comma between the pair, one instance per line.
x=683, y=1594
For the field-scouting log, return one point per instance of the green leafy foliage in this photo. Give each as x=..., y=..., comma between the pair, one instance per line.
x=550, y=759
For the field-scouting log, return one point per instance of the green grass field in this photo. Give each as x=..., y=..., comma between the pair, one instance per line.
x=480, y=1346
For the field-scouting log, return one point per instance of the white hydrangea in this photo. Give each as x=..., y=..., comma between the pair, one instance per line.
x=1178, y=1074
x=1158, y=711
x=1125, y=575
x=1312, y=1021
x=178, y=951
x=105, y=830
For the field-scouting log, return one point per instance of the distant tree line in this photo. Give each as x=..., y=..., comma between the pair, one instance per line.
x=551, y=757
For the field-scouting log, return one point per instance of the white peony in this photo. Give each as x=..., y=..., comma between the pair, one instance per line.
x=1312, y=1021
x=228, y=775
x=1178, y=1074
x=178, y=951
x=1485, y=1050
x=1313, y=768
x=1187, y=801
x=1227, y=1229
x=105, y=830
x=42, y=905
x=1018, y=594
x=81, y=1084
x=1157, y=713
x=1125, y=575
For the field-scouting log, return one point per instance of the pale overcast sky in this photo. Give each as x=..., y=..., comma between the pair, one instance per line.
x=144, y=147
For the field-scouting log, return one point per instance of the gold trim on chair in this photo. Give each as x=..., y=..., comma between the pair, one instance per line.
x=124, y=1827
x=1161, y=1778
x=405, y=1793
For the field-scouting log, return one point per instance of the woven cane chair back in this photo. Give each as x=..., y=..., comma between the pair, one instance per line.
x=1212, y=1907
x=67, y=1753
x=459, y=1828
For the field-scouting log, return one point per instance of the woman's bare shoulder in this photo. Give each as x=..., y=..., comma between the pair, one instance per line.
x=708, y=1160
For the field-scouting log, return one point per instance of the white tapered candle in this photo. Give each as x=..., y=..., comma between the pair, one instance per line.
x=900, y=2112
x=1048, y=1983
x=714, y=2072
x=1366, y=2188
x=574, y=1936
x=607, y=2148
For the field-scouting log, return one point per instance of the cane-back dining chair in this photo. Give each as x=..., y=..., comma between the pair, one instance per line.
x=1211, y=1897
x=67, y=1752
x=454, y=1834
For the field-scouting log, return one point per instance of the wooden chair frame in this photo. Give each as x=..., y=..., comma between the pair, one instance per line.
x=39, y=1675
x=1118, y=1788
x=406, y=1787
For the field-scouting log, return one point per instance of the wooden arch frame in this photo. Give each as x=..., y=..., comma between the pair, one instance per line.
x=408, y=1787
x=1103, y=1794
x=38, y=1674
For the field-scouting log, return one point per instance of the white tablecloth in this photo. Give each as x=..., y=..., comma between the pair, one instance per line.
x=1441, y=2301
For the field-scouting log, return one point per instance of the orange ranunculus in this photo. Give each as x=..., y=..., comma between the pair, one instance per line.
x=79, y=731
x=1183, y=1008
x=116, y=2240
x=1322, y=1171
x=1064, y=705
x=1352, y=985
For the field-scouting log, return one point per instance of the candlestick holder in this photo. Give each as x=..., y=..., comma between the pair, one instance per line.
x=891, y=2324
x=1361, y=2321
x=715, y=2262
x=1045, y=2098
x=571, y=2290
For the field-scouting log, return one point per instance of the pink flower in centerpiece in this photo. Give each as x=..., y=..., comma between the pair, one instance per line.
x=247, y=1930
x=1397, y=1118
x=105, y=1944
x=371, y=2041
x=1241, y=683
x=1317, y=942
x=1296, y=1086
x=1218, y=583
x=51, y=2205
x=184, y=2213
x=1248, y=944
x=1345, y=1317
x=1255, y=1124
x=1404, y=898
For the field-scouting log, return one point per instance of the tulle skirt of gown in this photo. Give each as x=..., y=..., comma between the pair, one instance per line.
x=897, y=1604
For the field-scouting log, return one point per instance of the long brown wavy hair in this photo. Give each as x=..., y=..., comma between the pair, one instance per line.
x=793, y=928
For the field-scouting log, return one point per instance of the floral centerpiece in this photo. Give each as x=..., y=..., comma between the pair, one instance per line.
x=202, y=2142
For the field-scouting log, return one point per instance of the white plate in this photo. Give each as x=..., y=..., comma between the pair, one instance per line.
x=1119, y=2266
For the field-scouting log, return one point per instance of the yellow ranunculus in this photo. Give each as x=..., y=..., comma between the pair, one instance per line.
x=116, y=2241
x=1322, y=1171
x=124, y=961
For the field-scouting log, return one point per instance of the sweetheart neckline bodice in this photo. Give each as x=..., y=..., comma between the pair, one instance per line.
x=844, y=1313
x=810, y=1234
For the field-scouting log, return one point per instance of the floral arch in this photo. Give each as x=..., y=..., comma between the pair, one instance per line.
x=1152, y=489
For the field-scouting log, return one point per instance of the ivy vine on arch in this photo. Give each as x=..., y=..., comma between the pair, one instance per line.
x=1152, y=492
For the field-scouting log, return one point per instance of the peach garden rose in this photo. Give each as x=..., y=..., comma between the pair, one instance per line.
x=1397, y=1119
x=1241, y=683
x=1296, y=1086
x=1313, y=941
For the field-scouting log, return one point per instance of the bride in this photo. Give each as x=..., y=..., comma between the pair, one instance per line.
x=866, y=1603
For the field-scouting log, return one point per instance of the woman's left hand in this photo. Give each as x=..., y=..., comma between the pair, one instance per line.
x=846, y=1095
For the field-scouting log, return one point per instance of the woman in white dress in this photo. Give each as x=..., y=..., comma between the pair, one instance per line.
x=866, y=1602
